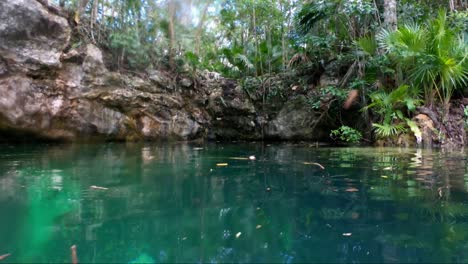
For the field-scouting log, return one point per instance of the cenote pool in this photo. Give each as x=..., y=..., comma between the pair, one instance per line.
x=154, y=203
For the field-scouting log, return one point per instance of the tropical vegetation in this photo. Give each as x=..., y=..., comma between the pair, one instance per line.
x=397, y=54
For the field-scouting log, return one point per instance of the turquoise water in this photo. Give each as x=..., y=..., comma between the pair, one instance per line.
x=171, y=203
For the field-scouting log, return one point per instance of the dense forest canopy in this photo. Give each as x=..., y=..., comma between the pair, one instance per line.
x=397, y=54
x=244, y=37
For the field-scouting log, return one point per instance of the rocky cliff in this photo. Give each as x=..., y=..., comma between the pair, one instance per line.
x=53, y=91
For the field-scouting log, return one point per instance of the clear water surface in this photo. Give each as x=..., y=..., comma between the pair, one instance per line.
x=172, y=203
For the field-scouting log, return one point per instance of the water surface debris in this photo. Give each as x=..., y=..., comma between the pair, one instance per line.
x=221, y=164
x=314, y=163
x=252, y=157
x=352, y=190
x=347, y=234
x=384, y=176
x=4, y=256
x=258, y=226
x=387, y=168
x=238, y=235
x=238, y=158
x=74, y=256
x=98, y=187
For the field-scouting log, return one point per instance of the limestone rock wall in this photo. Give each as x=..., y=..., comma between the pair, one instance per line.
x=50, y=91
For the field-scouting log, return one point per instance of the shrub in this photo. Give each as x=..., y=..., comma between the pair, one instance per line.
x=346, y=134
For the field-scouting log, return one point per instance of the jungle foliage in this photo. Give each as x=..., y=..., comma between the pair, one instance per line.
x=422, y=59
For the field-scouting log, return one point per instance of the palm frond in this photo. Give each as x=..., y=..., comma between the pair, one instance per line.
x=388, y=130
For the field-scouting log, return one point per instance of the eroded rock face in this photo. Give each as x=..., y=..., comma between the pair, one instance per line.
x=30, y=36
x=49, y=91
x=71, y=95
x=428, y=130
x=296, y=120
x=234, y=114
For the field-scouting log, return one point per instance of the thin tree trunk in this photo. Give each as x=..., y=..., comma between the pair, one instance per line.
x=80, y=9
x=200, y=27
x=171, y=34
x=390, y=15
x=452, y=5
x=94, y=14
x=255, y=39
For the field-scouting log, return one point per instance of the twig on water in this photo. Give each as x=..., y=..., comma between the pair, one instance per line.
x=314, y=163
x=98, y=187
x=4, y=256
x=74, y=257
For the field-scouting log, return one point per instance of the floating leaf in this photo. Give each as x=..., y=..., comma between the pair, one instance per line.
x=238, y=235
x=352, y=190
x=347, y=234
x=384, y=176
x=221, y=164
x=258, y=226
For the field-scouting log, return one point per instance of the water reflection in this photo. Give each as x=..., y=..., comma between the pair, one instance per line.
x=171, y=203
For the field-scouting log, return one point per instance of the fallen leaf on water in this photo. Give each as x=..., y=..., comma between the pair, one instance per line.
x=259, y=226
x=238, y=235
x=387, y=168
x=98, y=187
x=314, y=163
x=383, y=176
x=221, y=164
x=352, y=190
x=4, y=256
x=347, y=234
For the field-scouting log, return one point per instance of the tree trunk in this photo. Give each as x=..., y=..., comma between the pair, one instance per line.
x=80, y=9
x=171, y=7
x=390, y=15
x=94, y=14
x=200, y=28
